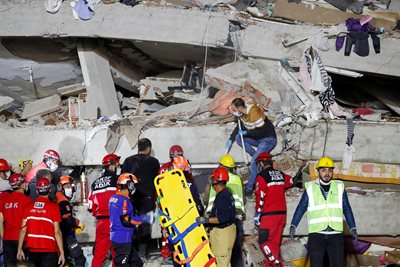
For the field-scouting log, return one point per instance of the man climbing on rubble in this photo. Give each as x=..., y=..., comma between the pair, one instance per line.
x=221, y=219
x=40, y=229
x=124, y=221
x=270, y=215
x=325, y=201
x=69, y=224
x=235, y=186
x=102, y=189
x=11, y=213
x=256, y=130
x=145, y=168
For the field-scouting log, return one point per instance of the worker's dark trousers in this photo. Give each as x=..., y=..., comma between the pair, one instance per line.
x=10, y=250
x=43, y=259
x=126, y=255
x=319, y=243
x=237, y=254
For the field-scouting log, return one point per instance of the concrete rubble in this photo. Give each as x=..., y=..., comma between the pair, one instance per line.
x=174, y=73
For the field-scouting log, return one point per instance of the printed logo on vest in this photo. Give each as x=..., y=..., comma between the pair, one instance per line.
x=39, y=205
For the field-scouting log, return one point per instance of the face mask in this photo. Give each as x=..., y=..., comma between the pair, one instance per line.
x=237, y=114
x=52, y=166
x=118, y=171
x=7, y=174
x=26, y=187
x=68, y=192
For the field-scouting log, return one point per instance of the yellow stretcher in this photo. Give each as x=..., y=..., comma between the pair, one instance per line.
x=178, y=214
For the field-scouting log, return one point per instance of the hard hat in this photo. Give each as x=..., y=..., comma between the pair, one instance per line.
x=263, y=156
x=175, y=150
x=43, y=185
x=180, y=162
x=110, y=159
x=227, y=161
x=4, y=166
x=15, y=180
x=51, y=154
x=325, y=162
x=66, y=180
x=220, y=175
x=127, y=179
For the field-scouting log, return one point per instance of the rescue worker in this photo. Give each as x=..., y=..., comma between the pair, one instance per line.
x=51, y=161
x=124, y=221
x=222, y=219
x=69, y=225
x=270, y=215
x=180, y=162
x=11, y=213
x=5, y=172
x=145, y=168
x=325, y=201
x=32, y=185
x=257, y=131
x=102, y=189
x=40, y=228
x=235, y=186
x=174, y=151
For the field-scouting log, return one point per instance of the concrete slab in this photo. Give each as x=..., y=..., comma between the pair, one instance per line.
x=5, y=102
x=101, y=94
x=42, y=106
x=71, y=90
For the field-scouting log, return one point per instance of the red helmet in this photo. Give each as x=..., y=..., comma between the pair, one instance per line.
x=220, y=174
x=263, y=156
x=51, y=154
x=110, y=159
x=43, y=185
x=4, y=166
x=15, y=180
x=175, y=150
x=180, y=162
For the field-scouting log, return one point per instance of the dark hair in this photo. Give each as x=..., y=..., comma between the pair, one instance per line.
x=23, y=264
x=238, y=102
x=266, y=162
x=143, y=144
x=44, y=173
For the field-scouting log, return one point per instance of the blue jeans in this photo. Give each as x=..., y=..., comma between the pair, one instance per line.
x=263, y=145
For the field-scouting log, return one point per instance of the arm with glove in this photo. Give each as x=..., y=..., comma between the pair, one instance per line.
x=298, y=214
x=348, y=214
x=129, y=220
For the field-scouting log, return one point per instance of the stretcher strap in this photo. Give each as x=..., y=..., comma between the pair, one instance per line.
x=177, y=219
x=182, y=235
x=189, y=259
x=210, y=262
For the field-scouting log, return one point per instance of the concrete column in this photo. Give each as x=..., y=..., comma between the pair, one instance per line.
x=101, y=94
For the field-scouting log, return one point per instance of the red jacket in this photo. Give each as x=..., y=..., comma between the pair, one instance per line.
x=40, y=216
x=270, y=191
x=13, y=207
x=103, y=189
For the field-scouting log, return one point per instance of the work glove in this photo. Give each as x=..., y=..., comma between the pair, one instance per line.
x=354, y=234
x=149, y=217
x=228, y=145
x=201, y=220
x=242, y=132
x=79, y=228
x=257, y=218
x=292, y=231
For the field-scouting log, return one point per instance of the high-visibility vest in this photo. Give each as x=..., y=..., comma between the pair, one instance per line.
x=235, y=186
x=322, y=212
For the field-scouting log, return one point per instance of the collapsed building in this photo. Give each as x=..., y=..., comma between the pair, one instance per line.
x=92, y=80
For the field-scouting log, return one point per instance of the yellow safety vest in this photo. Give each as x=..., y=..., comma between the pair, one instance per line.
x=322, y=213
x=235, y=186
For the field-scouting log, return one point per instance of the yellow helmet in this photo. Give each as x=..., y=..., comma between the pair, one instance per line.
x=227, y=161
x=325, y=162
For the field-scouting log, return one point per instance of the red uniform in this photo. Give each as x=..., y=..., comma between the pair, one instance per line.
x=32, y=172
x=40, y=216
x=13, y=210
x=103, y=189
x=271, y=204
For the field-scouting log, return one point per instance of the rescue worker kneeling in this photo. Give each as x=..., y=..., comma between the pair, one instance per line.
x=123, y=222
x=69, y=225
x=222, y=219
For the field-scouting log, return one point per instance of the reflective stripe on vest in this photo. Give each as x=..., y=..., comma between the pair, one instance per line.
x=235, y=187
x=322, y=213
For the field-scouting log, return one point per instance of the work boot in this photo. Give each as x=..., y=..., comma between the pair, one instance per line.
x=249, y=193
